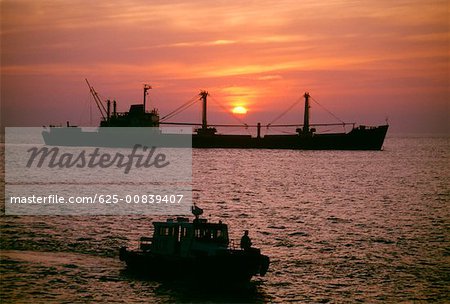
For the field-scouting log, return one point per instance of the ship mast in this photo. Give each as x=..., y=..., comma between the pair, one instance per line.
x=204, y=130
x=203, y=96
x=146, y=88
x=306, y=115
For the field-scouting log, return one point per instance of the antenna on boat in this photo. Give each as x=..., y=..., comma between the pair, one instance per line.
x=196, y=211
x=146, y=88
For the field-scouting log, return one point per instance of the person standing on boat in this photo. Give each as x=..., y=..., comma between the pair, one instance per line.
x=246, y=243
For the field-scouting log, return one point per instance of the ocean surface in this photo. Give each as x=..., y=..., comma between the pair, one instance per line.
x=339, y=227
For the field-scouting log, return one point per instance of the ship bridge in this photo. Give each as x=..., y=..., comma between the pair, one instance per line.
x=183, y=238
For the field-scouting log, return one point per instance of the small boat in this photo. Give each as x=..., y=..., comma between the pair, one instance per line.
x=198, y=251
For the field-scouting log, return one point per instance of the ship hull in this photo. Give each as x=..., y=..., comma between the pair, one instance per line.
x=230, y=267
x=357, y=139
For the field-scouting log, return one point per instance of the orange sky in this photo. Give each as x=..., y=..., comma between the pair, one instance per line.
x=363, y=60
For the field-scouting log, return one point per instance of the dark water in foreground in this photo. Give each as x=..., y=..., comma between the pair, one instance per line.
x=339, y=227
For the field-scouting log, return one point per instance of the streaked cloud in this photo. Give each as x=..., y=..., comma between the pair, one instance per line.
x=270, y=77
x=375, y=48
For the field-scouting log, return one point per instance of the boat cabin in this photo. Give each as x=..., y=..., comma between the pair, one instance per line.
x=183, y=238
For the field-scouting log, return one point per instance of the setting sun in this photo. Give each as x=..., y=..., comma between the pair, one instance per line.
x=239, y=110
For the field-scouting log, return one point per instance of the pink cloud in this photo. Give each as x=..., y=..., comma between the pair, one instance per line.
x=274, y=49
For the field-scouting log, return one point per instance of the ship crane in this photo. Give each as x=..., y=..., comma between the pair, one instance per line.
x=305, y=129
x=100, y=106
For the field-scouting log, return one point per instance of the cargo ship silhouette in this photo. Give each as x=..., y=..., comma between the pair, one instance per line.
x=139, y=125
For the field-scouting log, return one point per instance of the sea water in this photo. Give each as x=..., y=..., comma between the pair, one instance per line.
x=339, y=226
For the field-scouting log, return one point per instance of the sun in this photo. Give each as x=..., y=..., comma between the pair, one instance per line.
x=239, y=110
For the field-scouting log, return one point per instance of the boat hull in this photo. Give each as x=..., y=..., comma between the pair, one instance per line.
x=358, y=139
x=234, y=267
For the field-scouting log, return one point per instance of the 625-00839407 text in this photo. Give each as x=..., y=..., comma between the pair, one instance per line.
x=99, y=199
